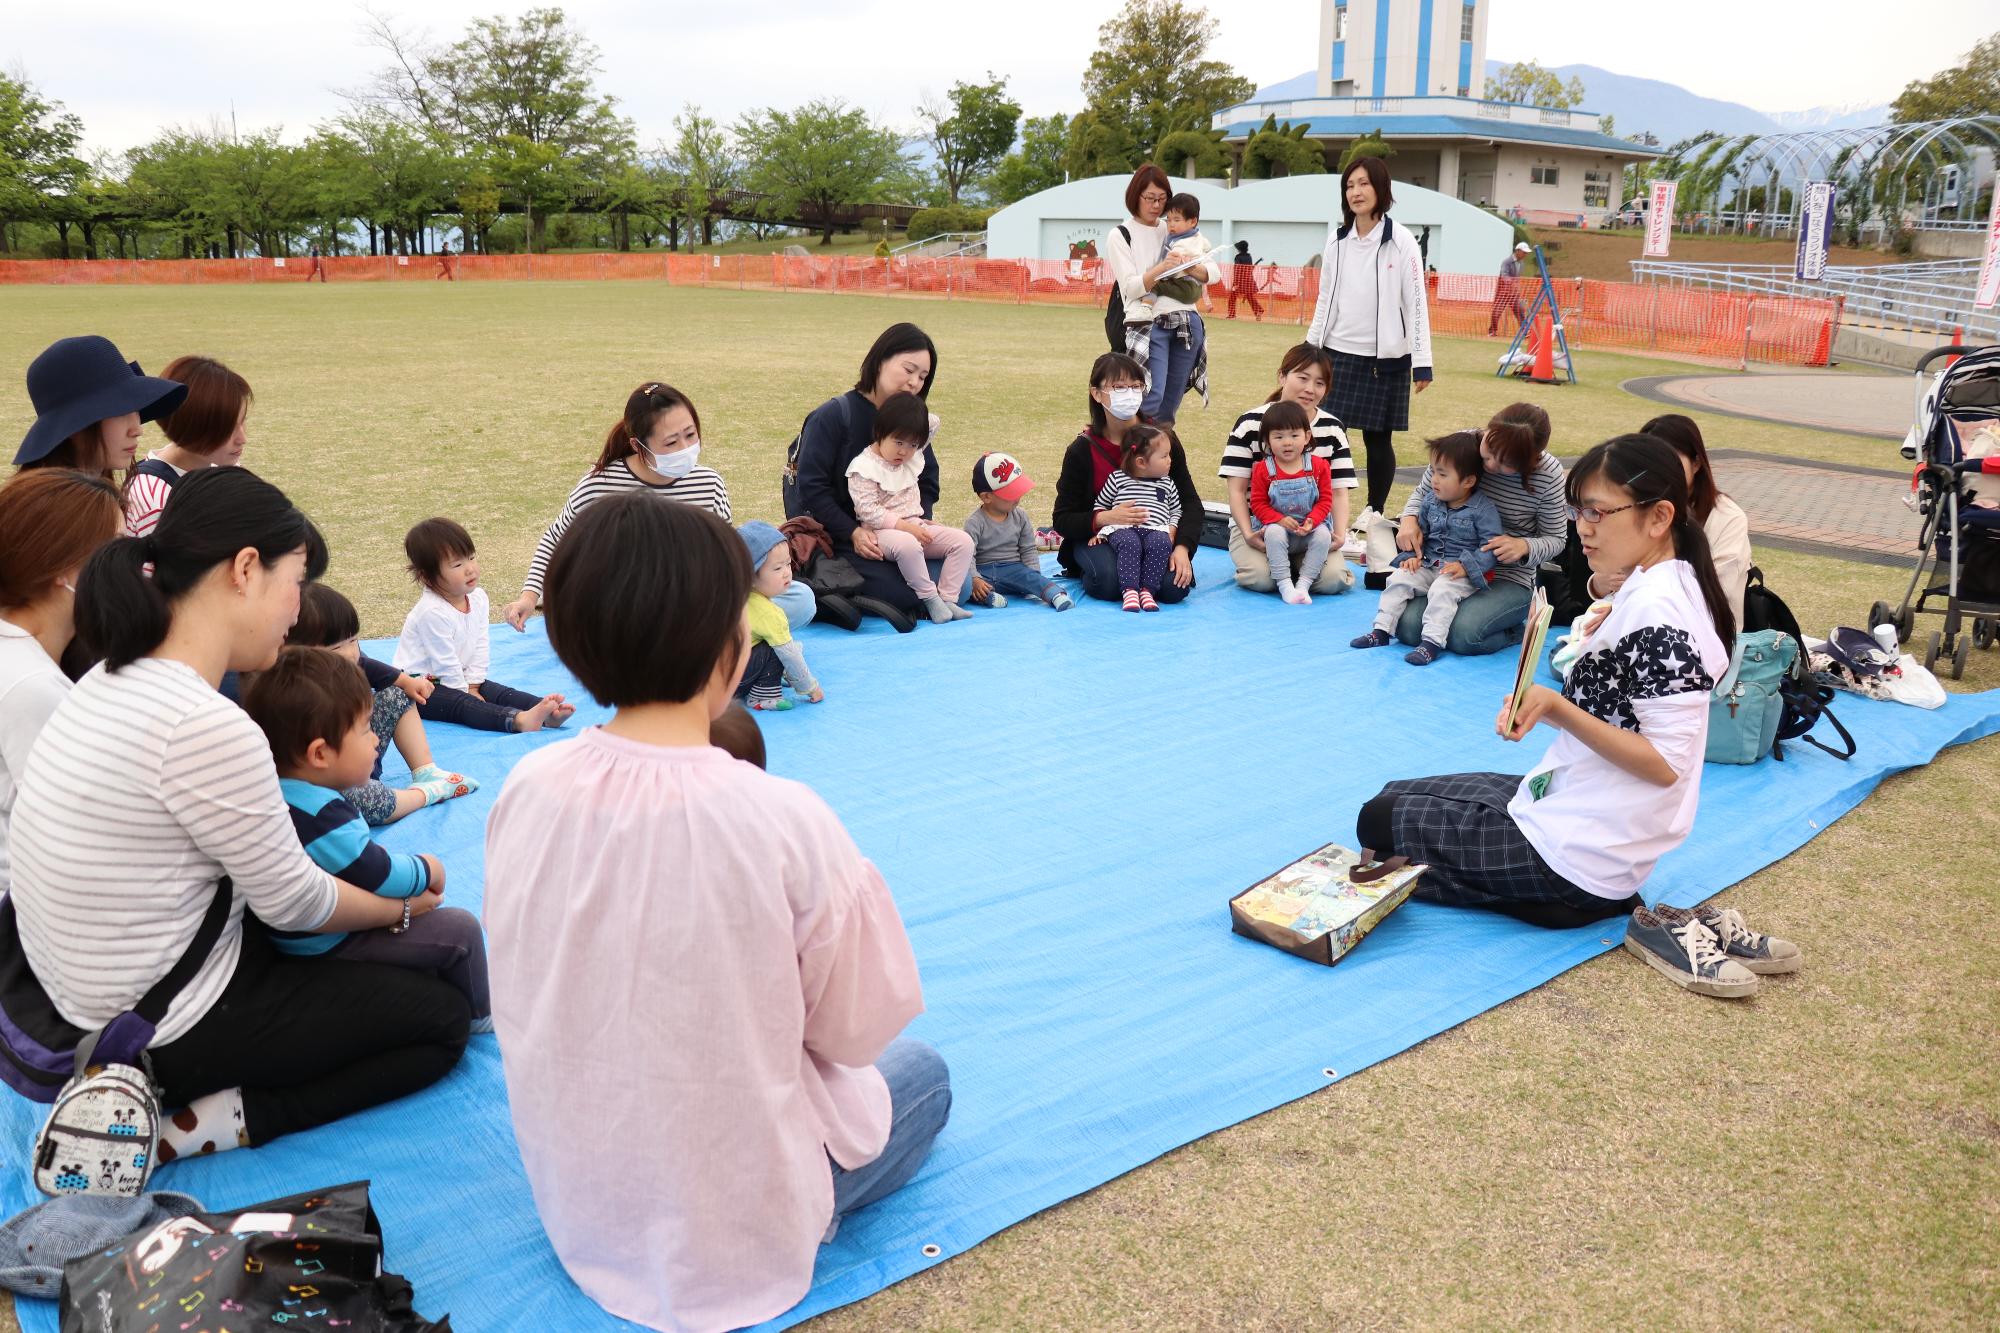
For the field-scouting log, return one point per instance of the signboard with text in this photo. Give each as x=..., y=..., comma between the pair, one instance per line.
x=1989, y=272
x=1815, y=231
x=1660, y=218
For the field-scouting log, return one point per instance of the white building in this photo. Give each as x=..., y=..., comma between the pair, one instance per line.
x=1286, y=221
x=1415, y=69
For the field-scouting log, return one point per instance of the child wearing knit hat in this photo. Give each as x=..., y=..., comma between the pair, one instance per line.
x=775, y=656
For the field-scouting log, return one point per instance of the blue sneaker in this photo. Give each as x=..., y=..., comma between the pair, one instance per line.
x=1060, y=600
x=1763, y=954
x=1688, y=954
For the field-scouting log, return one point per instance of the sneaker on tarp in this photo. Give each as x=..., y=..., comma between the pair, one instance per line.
x=1688, y=954
x=1763, y=954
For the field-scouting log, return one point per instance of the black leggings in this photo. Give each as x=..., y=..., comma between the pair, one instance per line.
x=1375, y=829
x=492, y=709
x=310, y=1040
x=1381, y=466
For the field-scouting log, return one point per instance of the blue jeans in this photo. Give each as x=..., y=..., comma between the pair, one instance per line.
x=798, y=603
x=919, y=1104
x=1486, y=622
x=1016, y=579
x=1169, y=362
x=492, y=709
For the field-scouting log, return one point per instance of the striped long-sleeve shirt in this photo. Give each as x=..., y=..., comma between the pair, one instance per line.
x=1156, y=495
x=337, y=840
x=1537, y=512
x=702, y=488
x=145, y=787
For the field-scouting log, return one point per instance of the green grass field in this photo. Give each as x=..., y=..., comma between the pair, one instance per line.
x=1603, y=1151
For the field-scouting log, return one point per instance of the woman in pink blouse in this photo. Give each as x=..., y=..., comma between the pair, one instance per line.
x=698, y=980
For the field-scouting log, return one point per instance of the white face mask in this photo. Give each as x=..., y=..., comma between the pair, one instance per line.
x=1124, y=403
x=677, y=464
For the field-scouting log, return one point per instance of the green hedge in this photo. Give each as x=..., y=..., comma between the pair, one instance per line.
x=928, y=222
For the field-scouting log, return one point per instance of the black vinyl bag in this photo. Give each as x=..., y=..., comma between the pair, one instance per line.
x=311, y=1260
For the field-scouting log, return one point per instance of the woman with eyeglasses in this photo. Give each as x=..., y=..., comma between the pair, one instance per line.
x=1575, y=840
x=655, y=447
x=1132, y=248
x=1525, y=482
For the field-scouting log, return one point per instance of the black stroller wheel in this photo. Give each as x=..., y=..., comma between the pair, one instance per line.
x=1933, y=649
x=1958, y=657
x=1880, y=613
x=1983, y=633
x=1906, y=624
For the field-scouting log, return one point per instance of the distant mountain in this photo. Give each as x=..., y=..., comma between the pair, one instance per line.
x=1665, y=109
x=1673, y=113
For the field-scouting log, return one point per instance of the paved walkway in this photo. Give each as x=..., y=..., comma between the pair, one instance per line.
x=1855, y=513
x=1828, y=400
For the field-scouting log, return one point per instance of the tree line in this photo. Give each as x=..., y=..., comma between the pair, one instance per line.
x=505, y=136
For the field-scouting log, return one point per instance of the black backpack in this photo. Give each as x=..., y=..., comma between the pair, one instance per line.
x=1114, y=309
x=1806, y=700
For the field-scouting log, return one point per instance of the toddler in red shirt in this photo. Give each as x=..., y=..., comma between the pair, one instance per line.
x=1291, y=497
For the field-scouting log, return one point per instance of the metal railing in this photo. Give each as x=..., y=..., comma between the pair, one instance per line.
x=1899, y=301
x=944, y=243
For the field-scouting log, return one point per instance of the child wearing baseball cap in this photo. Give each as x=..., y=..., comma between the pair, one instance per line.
x=1004, y=556
x=775, y=656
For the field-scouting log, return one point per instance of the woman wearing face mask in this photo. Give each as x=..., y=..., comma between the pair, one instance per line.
x=51, y=521
x=1117, y=387
x=655, y=447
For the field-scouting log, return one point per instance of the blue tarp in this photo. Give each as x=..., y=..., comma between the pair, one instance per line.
x=1063, y=804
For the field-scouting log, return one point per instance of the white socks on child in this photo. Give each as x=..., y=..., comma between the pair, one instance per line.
x=205, y=1125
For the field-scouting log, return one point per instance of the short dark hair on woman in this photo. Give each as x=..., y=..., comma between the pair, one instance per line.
x=326, y=618
x=1377, y=172
x=1186, y=205
x=903, y=416
x=1684, y=437
x=216, y=399
x=895, y=340
x=645, y=600
x=1517, y=435
x=432, y=542
x=1459, y=451
x=1108, y=367
x=1283, y=415
x=122, y=614
x=1144, y=178
x=307, y=695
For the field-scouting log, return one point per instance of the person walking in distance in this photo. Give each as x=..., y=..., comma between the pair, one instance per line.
x=1507, y=291
x=1243, y=281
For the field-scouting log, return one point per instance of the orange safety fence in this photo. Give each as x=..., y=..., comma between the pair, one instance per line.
x=1676, y=321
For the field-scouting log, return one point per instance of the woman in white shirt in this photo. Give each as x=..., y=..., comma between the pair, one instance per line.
x=51, y=520
x=1132, y=248
x=1574, y=840
x=147, y=788
x=1372, y=316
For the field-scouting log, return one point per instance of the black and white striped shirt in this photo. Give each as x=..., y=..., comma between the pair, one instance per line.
x=1156, y=495
x=1538, y=512
x=1245, y=445
x=702, y=488
x=145, y=787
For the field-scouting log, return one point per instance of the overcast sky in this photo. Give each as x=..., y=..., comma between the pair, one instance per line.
x=129, y=68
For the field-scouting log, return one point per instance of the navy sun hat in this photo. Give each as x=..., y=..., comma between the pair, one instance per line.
x=79, y=382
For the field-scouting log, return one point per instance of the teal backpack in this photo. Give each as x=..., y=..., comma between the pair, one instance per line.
x=1766, y=699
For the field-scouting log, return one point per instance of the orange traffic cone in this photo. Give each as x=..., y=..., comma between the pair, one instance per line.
x=1545, y=352
x=1957, y=340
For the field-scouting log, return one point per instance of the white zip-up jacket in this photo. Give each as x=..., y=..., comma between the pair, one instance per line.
x=1402, y=319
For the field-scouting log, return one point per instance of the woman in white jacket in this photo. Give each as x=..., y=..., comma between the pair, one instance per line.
x=1372, y=318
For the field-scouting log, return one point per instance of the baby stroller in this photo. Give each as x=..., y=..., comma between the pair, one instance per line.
x=1958, y=553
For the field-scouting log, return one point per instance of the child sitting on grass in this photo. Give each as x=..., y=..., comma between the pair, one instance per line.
x=328, y=620
x=315, y=708
x=1005, y=558
x=1291, y=497
x=1143, y=552
x=775, y=656
x=444, y=638
x=1451, y=561
x=882, y=482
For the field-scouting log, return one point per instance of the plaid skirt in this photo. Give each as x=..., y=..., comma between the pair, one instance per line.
x=1368, y=394
x=1458, y=825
